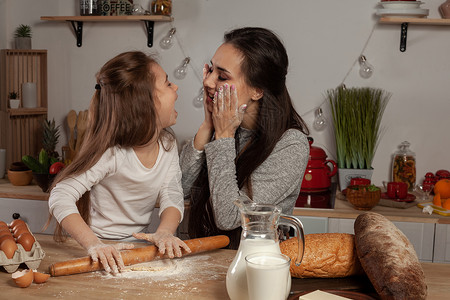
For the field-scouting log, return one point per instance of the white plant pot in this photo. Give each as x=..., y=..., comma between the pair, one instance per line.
x=14, y=103
x=346, y=175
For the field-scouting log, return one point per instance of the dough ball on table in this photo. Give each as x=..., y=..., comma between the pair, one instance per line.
x=327, y=255
x=388, y=258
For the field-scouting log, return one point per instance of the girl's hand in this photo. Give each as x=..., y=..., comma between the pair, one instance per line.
x=227, y=116
x=165, y=241
x=109, y=255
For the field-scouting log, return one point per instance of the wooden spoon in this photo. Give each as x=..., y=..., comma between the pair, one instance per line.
x=71, y=122
x=81, y=128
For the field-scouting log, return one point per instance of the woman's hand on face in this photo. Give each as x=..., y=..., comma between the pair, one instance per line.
x=206, y=102
x=227, y=116
x=166, y=242
x=109, y=255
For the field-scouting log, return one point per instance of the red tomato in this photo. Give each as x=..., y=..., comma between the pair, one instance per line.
x=56, y=167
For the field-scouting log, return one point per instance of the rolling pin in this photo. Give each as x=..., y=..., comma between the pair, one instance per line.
x=136, y=255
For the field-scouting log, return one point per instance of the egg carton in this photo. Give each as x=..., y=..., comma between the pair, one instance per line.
x=32, y=259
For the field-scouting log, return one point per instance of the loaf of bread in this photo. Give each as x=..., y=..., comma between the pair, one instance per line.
x=388, y=258
x=327, y=255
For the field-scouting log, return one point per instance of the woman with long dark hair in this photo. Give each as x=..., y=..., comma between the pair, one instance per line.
x=252, y=141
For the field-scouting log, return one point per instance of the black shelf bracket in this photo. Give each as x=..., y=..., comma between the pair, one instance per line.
x=78, y=29
x=403, y=34
x=149, y=25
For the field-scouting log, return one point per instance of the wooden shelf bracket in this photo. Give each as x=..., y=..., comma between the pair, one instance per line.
x=403, y=36
x=78, y=29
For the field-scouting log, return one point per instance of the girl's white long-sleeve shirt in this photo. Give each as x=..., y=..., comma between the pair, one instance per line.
x=123, y=192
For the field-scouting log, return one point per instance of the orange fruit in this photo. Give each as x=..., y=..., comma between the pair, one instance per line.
x=446, y=204
x=437, y=200
x=442, y=187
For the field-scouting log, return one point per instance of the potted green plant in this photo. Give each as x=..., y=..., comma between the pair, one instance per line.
x=13, y=101
x=47, y=164
x=22, y=37
x=356, y=114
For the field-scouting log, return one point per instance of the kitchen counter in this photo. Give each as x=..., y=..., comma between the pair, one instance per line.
x=343, y=209
x=200, y=276
x=31, y=192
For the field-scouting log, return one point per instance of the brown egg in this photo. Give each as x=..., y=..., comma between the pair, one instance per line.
x=26, y=240
x=16, y=222
x=40, y=277
x=9, y=247
x=6, y=237
x=3, y=224
x=23, y=278
x=19, y=229
x=5, y=231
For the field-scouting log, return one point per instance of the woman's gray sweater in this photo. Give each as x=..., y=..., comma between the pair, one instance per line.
x=276, y=181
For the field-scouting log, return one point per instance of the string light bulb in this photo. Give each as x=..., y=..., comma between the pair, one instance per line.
x=198, y=101
x=366, y=69
x=166, y=42
x=320, y=122
x=181, y=71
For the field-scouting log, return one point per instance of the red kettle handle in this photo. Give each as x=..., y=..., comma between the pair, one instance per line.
x=335, y=168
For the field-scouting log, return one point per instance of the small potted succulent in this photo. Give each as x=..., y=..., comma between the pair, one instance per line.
x=14, y=102
x=22, y=36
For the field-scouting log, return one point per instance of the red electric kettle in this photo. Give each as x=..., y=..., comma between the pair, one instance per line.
x=318, y=174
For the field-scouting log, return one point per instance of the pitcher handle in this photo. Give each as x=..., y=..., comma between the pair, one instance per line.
x=297, y=224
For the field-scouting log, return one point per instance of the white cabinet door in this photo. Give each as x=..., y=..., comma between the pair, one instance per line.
x=421, y=235
x=442, y=245
x=34, y=212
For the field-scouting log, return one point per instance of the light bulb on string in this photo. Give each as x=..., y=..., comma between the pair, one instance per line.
x=366, y=69
x=320, y=122
x=198, y=101
x=166, y=42
x=181, y=71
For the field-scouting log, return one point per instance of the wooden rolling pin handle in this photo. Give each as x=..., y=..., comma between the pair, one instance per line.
x=137, y=255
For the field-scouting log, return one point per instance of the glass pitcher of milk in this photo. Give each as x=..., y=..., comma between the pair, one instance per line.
x=259, y=234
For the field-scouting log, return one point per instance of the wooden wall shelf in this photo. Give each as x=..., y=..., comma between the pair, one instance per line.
x=404, y=21
x=27, y=111
x=77, y=23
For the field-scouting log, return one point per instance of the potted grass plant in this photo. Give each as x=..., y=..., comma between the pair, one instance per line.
x=22, y=37
x=356, y=114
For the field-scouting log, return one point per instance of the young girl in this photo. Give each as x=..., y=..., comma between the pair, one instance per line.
x=128, y=162
x=251, y=142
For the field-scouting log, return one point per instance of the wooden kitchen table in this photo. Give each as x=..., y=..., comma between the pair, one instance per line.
x=199, y=276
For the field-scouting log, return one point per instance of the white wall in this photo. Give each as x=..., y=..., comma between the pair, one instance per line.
x=323, y=39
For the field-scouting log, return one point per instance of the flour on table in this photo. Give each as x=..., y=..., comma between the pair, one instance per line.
x=161, y=270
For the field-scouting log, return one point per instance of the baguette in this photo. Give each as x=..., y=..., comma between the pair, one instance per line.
x=327, y=255
x=388, y=258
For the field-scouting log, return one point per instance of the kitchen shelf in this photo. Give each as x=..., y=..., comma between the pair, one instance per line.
x=27, y=111
x=77, y=23
x=404, y=21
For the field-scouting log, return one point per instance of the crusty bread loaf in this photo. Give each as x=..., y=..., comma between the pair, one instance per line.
x=388, y=258
x=327, y=255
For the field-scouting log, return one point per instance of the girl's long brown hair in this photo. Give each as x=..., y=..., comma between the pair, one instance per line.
x=265, y=65
x=122, y=113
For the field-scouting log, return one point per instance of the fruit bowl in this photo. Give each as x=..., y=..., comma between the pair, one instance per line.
x=363, y=197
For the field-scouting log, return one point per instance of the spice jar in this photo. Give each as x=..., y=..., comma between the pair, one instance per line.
x=404, y=166
x=161, y=7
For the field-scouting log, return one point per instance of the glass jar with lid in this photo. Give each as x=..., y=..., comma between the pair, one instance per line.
x=404, y=166
x=161, y=7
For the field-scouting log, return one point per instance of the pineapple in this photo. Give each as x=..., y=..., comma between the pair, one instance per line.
x=50, y=138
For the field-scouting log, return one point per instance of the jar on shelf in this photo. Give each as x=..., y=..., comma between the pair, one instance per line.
x=444, y=9
x=89, y=8
x=404, y=166
x=161, y=7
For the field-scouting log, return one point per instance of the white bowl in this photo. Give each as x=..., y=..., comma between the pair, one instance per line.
x=401, y=4
x=14, y=103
